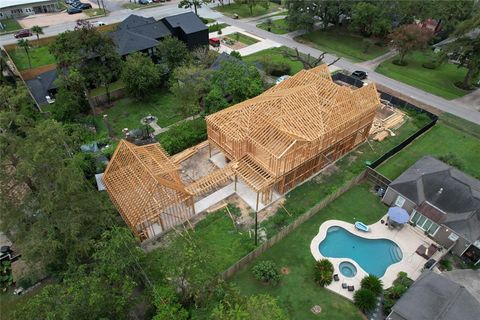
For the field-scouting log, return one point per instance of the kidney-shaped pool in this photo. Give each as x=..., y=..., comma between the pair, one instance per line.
x=373, y=255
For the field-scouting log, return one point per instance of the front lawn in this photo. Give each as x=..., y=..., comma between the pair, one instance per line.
x=277, y=26
x=343, y=44
x=243, y=10
x=439, y=81
x=441, y=140
x=10, y=25
x=127, y=112
x=274, y=55
x=297, y=292
x=217, y=26
x=240, y=37
x=95, y=12
x=39, y=56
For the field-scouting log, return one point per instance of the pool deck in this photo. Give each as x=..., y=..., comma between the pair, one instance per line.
x=408, y=239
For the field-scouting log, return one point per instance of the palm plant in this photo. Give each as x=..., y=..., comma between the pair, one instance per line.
x=38, y=31
x=372, y=283
x=323, y=273
x=365, y=300
x=25, y=44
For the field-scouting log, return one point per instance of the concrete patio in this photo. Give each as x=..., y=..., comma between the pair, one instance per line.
x=408, y=239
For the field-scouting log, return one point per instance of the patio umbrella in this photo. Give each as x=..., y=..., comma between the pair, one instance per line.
x=398, y=215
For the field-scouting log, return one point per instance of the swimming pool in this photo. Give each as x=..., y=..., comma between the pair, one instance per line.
x=373, y=255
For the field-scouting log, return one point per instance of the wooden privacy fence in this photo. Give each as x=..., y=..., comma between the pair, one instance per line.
x=240, y=264
x=101, y=99
x=377, y=178
x=30, y=74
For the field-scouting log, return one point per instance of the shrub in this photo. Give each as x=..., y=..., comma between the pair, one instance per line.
x=275, y=69
x=446, y=264
x=452, y=159
x=430, y=65
x=236, y=54
x=365, y=300
x=266, y=271
x=372, y=283
x=400, y=63
x=387, y=305
x=183, y=135
x=323, y=273
x=396, y=291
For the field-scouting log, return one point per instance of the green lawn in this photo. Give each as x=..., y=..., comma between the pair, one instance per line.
x=343, y=44
x=439, y=81
x=217, y=26
x=297, y=292
x=94, y=12
x=240, y=37
x=243, y=10
x=274, y=55
x=439, y=141
x=10, y=25
x=128, y=112
x=39, y=56
x=278, y=26
x=101, y=90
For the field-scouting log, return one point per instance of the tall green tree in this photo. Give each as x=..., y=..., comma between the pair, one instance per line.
x=253, y=3
x=38, y=31
x=173, y=53
x=166, y=302
x=370, y=20
x=238, y=79
x=408, y=38
x=25, y=44
x=304, y=14
x=69, y=104
x=187, y=4
x=140, y=75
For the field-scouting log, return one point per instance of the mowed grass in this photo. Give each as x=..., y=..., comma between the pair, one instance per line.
x=243, y=10
x=343, y=44
x=277, y=26
x=240, y=37
x=439, y=141
x=39, y=56
x=10, y=25
x=297, y=292
x=274, y=55
x=439, y=81
x=127, y=112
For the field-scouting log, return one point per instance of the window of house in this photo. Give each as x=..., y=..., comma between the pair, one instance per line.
x=424, y=223
x=400, y=201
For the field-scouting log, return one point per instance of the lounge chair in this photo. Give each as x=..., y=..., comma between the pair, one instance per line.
x=351, y=288
x=335, y=277
x=344, y=285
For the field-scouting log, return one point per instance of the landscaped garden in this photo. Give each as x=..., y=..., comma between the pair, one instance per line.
x=39, y=56
x=279, y=26
x=444, y=142
x=439, y=81
x=243, y=10
x=127, y=112
x=344, y=44
x=297, y=291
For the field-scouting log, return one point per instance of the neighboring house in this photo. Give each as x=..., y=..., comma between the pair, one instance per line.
x=42, y=86
x=443, y=202
x=22, y=8
x=140, y=34
x=434, y=297
x=221, y=58
x=189, y=28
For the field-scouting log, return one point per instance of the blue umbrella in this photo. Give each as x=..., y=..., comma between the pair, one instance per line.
x=399, y=215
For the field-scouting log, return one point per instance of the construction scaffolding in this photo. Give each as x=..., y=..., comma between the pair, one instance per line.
x=272, y=143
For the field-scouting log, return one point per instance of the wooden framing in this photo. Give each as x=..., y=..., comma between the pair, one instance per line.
x=285, y=135
x=273, y=141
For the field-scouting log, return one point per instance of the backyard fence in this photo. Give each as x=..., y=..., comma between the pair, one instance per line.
x=240, y=264
x=101, y=99
x=30, y=74
x=377, y=178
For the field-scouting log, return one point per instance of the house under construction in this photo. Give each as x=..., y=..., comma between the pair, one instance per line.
x=271, y=143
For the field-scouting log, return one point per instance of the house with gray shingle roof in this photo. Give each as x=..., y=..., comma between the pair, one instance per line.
x=434, y=297
x=442, y=201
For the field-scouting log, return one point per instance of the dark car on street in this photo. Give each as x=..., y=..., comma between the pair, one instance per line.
x=23, y=33
x=83, y=6
x=360, y=74
x=73, y=10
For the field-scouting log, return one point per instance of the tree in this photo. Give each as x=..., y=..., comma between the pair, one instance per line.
x=68, y=103
x=204, y=56
x=323, y=272
x=372, y=283
x=173, y=53
x=189, y=84
x=38, y=31
x=370, y=20
x=25, y=44
x=307, y=61
x=215, y=101
x=187, y=4
x=266, y=271
x=237, y=79
x=407, y=38
x=166, y=302
x=140, y=75
x=252, y=3
x=237, y=307
x=365, y=300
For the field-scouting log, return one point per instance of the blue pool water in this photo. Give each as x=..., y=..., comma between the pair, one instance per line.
x=347, y=269
x=373, y=255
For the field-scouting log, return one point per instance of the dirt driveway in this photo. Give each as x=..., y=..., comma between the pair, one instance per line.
x=50, y=19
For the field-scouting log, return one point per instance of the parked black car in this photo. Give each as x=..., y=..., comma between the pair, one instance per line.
x=73, y=10
x=84, y=6
x=359, y=74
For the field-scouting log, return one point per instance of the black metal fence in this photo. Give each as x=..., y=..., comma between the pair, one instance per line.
x=397, y=102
